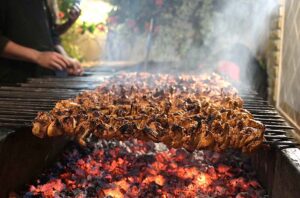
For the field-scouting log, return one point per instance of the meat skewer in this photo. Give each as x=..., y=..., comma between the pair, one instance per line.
x=194, y=112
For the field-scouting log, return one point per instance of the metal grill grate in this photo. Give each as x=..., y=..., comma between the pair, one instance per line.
x=278, y=132
x=19, y=105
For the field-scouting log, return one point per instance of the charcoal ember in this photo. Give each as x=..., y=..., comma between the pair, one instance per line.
x=202, y=195
x=108, y=170
x=68, y=193
x=91, y=192
x=151, y=190
x=31, y=195
x=149, y=159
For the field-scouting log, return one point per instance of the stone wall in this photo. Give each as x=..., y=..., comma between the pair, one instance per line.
x=274, y=51
x=288, y=75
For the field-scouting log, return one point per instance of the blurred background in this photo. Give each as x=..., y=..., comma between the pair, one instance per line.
x=250, y=41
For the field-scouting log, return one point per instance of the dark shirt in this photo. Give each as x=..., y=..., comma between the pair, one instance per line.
x=28, y=23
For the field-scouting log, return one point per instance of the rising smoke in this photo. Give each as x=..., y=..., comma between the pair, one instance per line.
x=240, y=31
x=237, y=31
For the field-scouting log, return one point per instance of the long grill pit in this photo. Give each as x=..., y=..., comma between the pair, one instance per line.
x=120, y=169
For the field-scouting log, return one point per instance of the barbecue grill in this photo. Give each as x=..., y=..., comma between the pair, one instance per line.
x=19, y=105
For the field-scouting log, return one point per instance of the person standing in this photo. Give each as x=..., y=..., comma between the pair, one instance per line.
x=28, y=42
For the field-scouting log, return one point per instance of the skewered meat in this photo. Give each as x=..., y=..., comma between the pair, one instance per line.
x=194, y=112
x=41, y=124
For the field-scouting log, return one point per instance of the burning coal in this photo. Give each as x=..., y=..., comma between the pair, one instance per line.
x=139, y=169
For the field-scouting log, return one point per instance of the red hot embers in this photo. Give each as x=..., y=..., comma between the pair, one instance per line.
x=138, y=169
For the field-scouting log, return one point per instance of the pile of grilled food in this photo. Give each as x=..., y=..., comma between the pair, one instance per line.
x=194, y=112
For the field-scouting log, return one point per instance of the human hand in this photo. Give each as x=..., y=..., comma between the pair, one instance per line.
x=52, y=60
x=74, y=68
x=74, y=14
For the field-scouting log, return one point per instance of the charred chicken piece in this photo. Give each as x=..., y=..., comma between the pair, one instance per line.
x=41, y=124
x=194, y=112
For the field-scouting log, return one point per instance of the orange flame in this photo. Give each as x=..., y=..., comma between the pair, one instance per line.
x=203, y=180
x=115, y=193
x=123, y=184
x=159, y=180
x=166, y=174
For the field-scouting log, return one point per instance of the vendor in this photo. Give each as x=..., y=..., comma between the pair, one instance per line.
x=29, y=44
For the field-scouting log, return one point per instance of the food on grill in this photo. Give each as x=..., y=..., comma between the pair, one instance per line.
x=194, y=112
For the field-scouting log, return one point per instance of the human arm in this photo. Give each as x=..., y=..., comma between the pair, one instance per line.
x=75, y=67
x=13, y=50
x=49, y=60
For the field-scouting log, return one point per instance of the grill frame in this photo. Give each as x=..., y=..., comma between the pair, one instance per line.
x=20, y=104
x=16, y=113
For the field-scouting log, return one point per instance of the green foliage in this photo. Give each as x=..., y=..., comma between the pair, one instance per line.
x=91, y=27
x=65, y=5
x=77, y=30
x=191, y=31
x=67, y=41
x=181, y=27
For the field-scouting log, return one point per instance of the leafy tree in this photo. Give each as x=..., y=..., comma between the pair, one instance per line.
x=181, y=27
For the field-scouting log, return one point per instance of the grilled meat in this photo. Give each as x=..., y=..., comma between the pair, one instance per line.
x=194, y=112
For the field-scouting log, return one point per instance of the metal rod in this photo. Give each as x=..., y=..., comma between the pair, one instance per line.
x=267, y=116
x=265, y=112
x=279, y=138
x=75, y=87
x=70, y=79
x=66, y=83
x=13, y=97
x=278, y=127
x=279, y=143
x=255, y=102
x=26, y=94
x=18, y=108
x=33, y=89
x=148, y=44
x=257, y=106
x=250, y=95
x=26, y=113
x=273, y=123
x=15, y=120
x=28, y=117
x=253, y=98
x=274, y=131
x=270, y=120
x=275, y=136
x=15, y=125
x=255, y=109
x=252, y=104
x=30, y=100
x=26, y=105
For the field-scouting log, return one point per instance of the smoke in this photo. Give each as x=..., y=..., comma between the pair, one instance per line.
x=240, y=31
x=232, y=30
